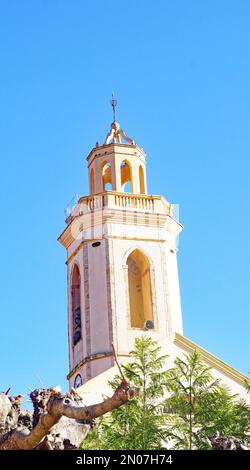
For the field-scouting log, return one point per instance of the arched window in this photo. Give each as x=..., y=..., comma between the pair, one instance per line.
x=126, y=177
x=76, y=305
x=106, y=177
x=142, y=180
x=92, y=181
x=140, y=294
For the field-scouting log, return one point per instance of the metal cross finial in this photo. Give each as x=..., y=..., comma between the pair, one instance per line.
x=113, y=103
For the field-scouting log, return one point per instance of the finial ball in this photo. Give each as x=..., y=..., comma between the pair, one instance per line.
x=115, y=126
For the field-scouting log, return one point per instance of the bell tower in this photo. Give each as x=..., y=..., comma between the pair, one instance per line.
x=121, y=260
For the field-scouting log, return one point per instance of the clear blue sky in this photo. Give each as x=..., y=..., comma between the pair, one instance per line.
x=181, y=72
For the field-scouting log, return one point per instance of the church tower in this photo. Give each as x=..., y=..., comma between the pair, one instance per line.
x=121, y=260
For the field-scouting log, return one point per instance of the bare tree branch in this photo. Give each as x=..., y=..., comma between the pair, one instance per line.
x=227, y=443
x=124, y=380
x=49, y=407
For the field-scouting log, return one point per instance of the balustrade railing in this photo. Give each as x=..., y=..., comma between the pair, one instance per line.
x=114, y=200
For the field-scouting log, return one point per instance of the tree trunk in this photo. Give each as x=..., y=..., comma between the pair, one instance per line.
x=28, y=431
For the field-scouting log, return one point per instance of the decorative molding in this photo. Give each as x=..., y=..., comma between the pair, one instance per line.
x=112, y=292
x=165, y=277
x=154, y=298
x=90, y=240
x=113, y=148
x=157, y=240
x=94, y=357
x=109, y=295
x=215, y=362
x=118, y=208
x=85, y=242
x=127, y=298
x=87, y=307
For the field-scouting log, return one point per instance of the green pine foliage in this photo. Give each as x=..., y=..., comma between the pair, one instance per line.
x=178, y=408
x=200, y=406
x=140, y=423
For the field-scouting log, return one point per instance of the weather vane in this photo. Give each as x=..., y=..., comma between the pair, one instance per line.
x=113, y=103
